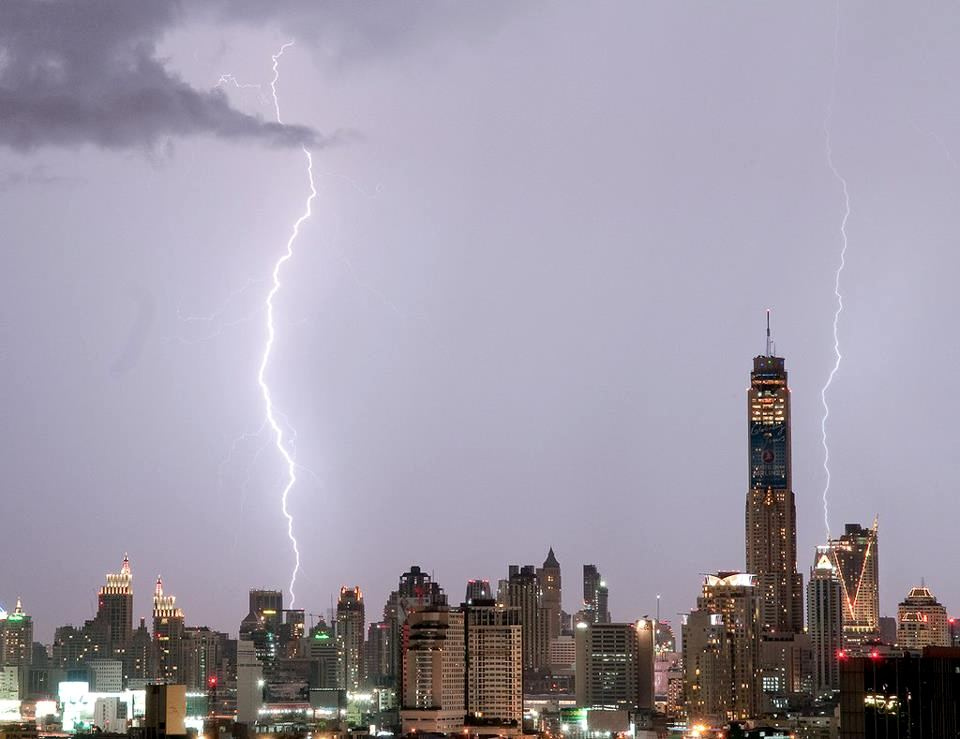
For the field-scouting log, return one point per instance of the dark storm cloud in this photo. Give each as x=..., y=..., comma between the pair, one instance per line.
x=349, y=32
x=75, y=73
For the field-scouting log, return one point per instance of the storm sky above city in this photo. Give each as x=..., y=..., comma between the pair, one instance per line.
x=522, y=314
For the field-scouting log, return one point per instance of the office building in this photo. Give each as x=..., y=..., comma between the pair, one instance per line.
x=434, y=669
x=204, y=654
x=250, y=682
x=140, y=656
x=596, y=597
x=477, y=590
x=350, y=627
x=16, y=637
x=771, y=512
x=494, y=665
x=105, y=675
x=522, y=591
x=856, y=558
x=721, y=643
x=551, y=594
x=614, y=666
x=825, y=621
x=922, y=621
x=167, y=636
x=115, y=609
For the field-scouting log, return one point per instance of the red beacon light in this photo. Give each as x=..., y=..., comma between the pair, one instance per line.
x=874, y=654
x=841, y=654
x=212, y=682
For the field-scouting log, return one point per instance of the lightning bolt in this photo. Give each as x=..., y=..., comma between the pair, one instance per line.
x=838, y=357
x=269, y=409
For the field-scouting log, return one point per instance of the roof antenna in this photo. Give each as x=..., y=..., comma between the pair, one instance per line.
x=769, y=342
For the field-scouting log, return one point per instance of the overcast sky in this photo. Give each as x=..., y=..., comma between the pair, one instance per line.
x=522, y=314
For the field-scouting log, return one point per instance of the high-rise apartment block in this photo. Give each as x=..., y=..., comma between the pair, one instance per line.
x=494, y=662
x=721, y=641
x=350, y=627
x=434, y=670
x=522, y=591
x=771, y=511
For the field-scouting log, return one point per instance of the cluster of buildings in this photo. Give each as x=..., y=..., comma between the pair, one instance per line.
x=762, y=654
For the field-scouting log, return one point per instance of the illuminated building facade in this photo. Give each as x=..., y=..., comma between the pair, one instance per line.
x=596, y=597
x=721, y=643
x=856, y=558
x=615, y=666
x=16, y=637
x=434, y=669
x=771, y=511
x=167, y=636
x=350, y=627
x=115, y=609
x=922, y=621
x=494, y=664
x=825, y=621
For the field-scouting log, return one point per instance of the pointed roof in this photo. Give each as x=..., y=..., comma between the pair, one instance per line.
x=19, y=609
x=551, y=561
x=158, y=590
x=125, y=567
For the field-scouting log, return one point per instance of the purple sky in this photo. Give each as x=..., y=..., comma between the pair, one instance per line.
x=522, y=315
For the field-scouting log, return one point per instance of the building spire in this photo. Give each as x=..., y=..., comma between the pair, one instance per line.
x=158, y=591
x=125, y=567
x=769, y=341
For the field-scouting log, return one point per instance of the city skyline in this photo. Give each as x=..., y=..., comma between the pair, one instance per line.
x=524, y=309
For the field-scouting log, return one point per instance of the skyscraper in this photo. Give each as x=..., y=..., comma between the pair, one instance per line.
x=494, y=642
x=922, y=621
x=522, y=591
x=591, y=582
x=115, y=609
x=856, y=558
x=350, y=627
x=167, y=635
x=16, y=637
x=477, y=590
x=615, y=666
x=771, y=511
x=434, y=669
x=550, y=594
x=825, y=620
x=721, y=649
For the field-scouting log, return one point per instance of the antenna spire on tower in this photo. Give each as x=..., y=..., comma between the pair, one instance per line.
x=769, y=342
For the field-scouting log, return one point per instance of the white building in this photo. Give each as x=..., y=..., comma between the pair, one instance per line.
x=434, y=667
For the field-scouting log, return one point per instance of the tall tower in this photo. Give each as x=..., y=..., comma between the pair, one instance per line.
x=115, y=609
x=825, y=620
x=550, y=594
x=350, y=628
x=856, y=558
x=16, y=637
x=167, y=635
x=771, y=511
